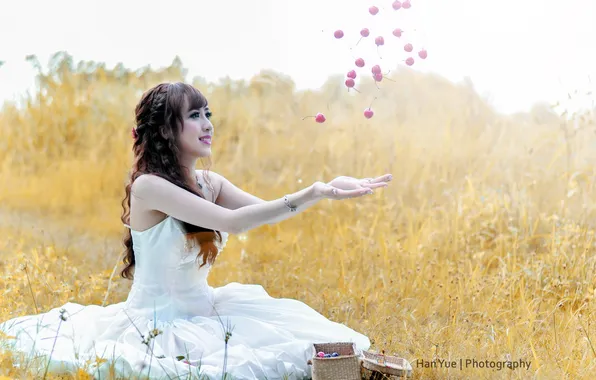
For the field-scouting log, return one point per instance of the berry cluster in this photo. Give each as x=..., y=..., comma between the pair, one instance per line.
x=321, y=354
x=377, y=75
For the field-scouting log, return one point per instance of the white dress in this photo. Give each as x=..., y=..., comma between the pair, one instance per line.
x=271, y=337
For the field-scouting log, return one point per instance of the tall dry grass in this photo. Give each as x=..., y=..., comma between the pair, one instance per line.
x=481, y=248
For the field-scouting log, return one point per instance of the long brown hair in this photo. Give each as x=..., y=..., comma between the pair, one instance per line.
x=158, y=122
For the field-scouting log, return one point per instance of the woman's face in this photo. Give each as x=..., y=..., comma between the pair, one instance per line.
x=196, y=125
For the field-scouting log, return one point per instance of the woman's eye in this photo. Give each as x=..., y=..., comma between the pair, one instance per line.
x=198, y=114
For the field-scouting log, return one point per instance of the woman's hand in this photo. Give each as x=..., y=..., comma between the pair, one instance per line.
x=349, y=183
x=348, y=187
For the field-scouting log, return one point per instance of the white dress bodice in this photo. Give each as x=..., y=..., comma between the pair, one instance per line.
x=168, y=283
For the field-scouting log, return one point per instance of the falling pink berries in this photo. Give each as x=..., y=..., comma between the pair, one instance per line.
x=350, y=82
x=377, y=75
x=359, y=62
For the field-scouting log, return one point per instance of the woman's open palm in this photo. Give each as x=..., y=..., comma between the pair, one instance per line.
x=350, y=183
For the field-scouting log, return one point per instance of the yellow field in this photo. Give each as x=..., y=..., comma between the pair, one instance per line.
x=481, y=247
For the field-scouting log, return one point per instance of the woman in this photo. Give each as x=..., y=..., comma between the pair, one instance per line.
x=178, y=220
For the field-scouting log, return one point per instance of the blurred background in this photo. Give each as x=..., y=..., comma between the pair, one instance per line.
x=481, y=247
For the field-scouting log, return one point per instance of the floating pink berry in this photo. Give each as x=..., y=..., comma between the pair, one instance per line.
x=397, y=32
x=363, y=33
x=338, y=34
x=350, y=83
x=368, y=113
x=409, y=61
x=376, y=69
x=379, y=41
x=351, y=74
x=408, y=48
x=396, y=4
x=319, y=118
x=378, y=77
x=359, y=62
x=423, y=54
x=373, y=10
x=406, y=4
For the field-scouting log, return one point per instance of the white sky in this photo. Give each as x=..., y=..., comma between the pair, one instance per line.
x=516, y=52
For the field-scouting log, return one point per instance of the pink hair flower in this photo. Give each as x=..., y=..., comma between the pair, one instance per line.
x=134, y=133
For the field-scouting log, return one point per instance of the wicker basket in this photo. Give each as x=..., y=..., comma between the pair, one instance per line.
x=386, y=364
x=346, y=366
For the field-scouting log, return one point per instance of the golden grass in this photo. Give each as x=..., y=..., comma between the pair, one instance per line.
x=481, y=248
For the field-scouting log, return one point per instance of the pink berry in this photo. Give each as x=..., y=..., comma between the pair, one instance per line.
x=321, y=354
x=352, y=74
x=379, y=41
x=378, y=77
x=376, y=69
x=368, y=113
x=364, y=32
x=410, y=61
x=350, y=83
x=408, y=47
x=422, y=54
x=360, y=62
x=320, y=118
x=397, y=32
x=406, y=4
x=373, y=10
x=338, y=34
x=396, y=4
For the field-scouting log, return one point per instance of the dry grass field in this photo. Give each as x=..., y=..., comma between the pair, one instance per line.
x=482, y=248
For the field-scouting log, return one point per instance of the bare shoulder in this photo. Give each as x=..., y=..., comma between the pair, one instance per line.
x=144, y=189
x=142, y=182
x=215, y=178
x=147, y=182
x=148, y=186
